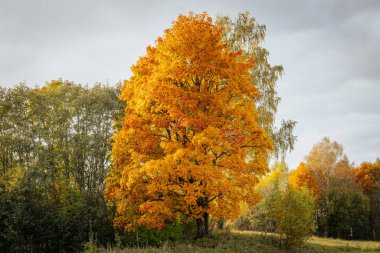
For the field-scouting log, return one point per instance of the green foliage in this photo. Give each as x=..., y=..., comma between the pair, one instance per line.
x=283, y=209
x=289, y=210
x=34, y=220
x=91, y=246
x=347, y=214
x=55, y=143
x=144, y=237
x=374, y=215
x=245, y=34
x=62, y=130
x=294, y=216
x=342, y=208
x=270, y=189
x=368, y=177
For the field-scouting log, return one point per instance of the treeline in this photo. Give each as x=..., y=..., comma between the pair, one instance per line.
x=55, y=150
x=346, y=197
x=55, y=153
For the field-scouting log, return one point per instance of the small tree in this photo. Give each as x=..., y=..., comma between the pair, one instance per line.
x=294, y=216
x=283, y=208
x=190, y=146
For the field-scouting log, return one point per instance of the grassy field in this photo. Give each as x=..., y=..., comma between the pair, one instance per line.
x=255, y=242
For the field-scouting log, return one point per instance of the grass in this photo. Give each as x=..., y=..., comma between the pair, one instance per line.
x=354, y=246
x=238, y=241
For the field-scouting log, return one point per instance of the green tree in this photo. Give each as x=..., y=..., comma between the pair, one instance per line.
x=283, y=209
x=294, y=216
x=341, y=208
x=245, y=34
x=16, y=137
x=73, y=126
x=322, y=161
x=368, y=177
x=55, y=144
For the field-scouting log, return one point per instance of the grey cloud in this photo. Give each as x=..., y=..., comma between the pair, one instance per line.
x=329, y=50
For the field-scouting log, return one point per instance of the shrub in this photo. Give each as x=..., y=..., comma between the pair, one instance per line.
x=294, y=216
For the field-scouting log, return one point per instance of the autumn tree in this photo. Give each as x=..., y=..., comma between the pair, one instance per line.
x=340, y=205
x=303, y=177
x=247, y=35
x=190, y=145
x=322, y=161
x=283, y=208
x=368, y=177
x=346, y=205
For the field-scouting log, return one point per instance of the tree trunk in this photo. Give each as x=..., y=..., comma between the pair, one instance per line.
x=202, y=226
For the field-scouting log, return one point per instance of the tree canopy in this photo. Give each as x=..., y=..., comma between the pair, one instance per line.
x=190, y=145
x=55, y=143
x=341, y=206
x=246, y=35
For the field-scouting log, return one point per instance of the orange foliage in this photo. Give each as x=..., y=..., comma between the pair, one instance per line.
x=189, y=144
x=303, y=177
x=368, y=176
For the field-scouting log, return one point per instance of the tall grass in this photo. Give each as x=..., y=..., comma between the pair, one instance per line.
x=244, y=241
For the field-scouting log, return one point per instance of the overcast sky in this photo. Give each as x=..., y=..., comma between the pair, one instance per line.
x=330, y=51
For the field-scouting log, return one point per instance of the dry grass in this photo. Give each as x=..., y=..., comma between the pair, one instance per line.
x=344, y=243
x=247, y=241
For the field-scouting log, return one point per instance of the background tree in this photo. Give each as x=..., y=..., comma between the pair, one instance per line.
x=346, y=205
x=302, y=177
x=368, y=177
x=283, y=209
x=341, y=207
x=322, y=161
x=55, y=143
x=16, y=135
x=246, y=35
x=190, y=145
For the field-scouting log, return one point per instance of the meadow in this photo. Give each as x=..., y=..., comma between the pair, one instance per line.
x=248, y=241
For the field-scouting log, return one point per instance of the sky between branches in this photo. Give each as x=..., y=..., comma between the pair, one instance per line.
x=329, y=50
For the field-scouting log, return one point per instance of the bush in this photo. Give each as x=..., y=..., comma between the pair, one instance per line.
x=294, y=216
x=143, y=237
x=282, y=209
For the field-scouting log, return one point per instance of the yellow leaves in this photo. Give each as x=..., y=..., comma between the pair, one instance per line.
x=211, y=141
x=189, y=130
x=155, y=214
x=11, y=179
x=191, y=47
x=170, y=147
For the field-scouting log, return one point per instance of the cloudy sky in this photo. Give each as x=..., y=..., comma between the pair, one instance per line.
x=330, y=51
